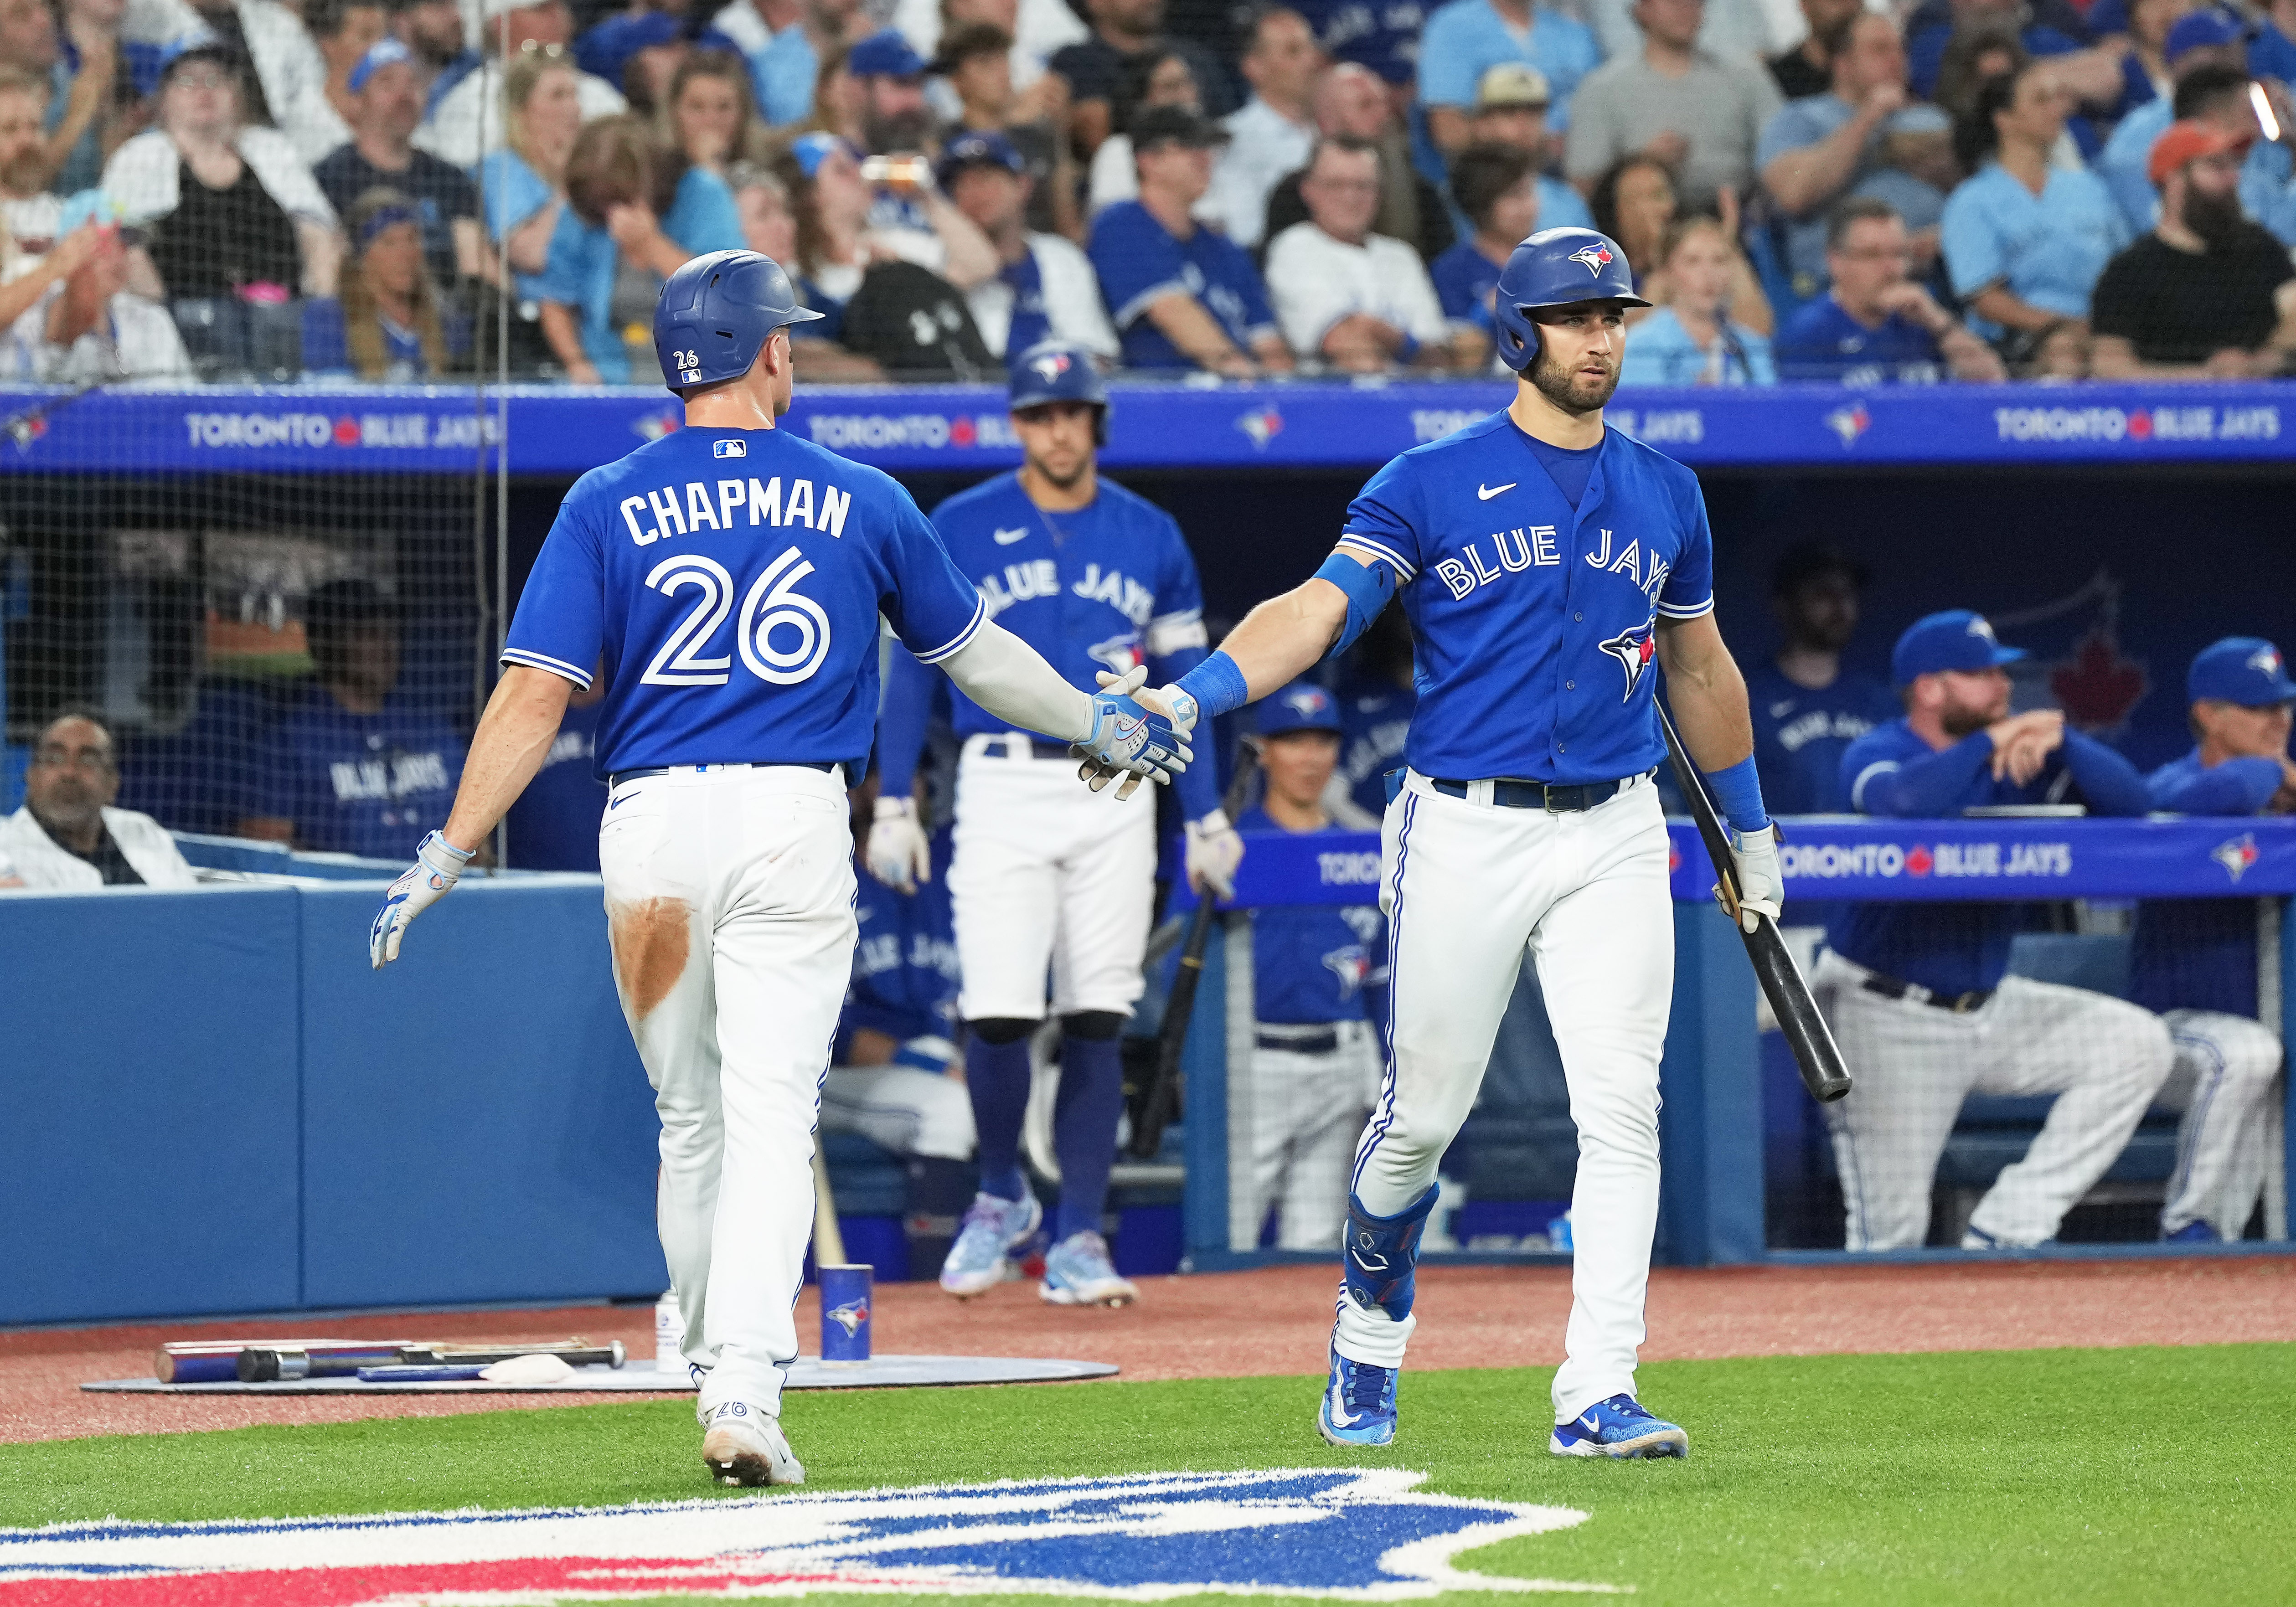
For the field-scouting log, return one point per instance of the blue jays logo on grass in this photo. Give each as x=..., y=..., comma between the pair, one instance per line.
x=1634, y=648
x=1595, y=256
x=1353, y=1535
x=849, y=1316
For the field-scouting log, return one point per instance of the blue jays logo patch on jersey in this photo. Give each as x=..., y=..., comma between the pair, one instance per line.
x=729, y=449
x=1634, y=648
x=1364, y=1535
x=1595, y=256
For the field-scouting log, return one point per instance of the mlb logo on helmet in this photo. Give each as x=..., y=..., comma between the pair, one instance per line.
x=1596, y=257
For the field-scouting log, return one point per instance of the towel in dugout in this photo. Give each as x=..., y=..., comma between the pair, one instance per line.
x=259, y=1365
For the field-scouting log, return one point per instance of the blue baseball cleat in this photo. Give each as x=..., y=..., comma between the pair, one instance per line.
x=994, y=1229
x=1618, y=1427
x=1358, y=1404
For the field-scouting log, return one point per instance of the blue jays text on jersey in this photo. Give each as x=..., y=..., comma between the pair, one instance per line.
x=1535, y=622
x=1374, y=725
x=1800, y=733
x=359, y=784
x=731, y=580
x=1310, y=962
x=905, y=967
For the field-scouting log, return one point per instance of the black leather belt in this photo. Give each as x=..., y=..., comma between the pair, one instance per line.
x=1538, y=795
x=1959, y=1003
x=1305, y=1043
x=826, y=767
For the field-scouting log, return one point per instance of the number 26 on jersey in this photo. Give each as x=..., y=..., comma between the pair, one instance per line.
x=772, y=610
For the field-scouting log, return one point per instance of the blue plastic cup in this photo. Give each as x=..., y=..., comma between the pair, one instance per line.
x=845, y=1313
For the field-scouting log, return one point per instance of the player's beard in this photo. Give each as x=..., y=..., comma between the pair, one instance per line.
x=1566, y=388
x=1060, y=483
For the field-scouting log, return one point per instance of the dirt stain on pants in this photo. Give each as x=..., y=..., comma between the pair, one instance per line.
x=651, y=941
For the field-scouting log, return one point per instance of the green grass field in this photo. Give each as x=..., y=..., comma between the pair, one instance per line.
x=2049, y=1476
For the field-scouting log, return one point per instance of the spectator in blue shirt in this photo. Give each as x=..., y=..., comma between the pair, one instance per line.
x=2212, y=90
x=784, y=72
x=2272, y=53
x=524, y=182
x=1466, y=38
x=2023, y=239
x=357, y=768
x=1815, y=150
x=1494, y=188
x=1180, y=295
x=1874, y=325
x=1692, y=339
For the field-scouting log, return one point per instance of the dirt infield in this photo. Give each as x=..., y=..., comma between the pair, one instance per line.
x=1274, y=1322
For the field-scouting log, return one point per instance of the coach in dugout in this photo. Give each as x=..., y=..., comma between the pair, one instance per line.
x=68, y=837
x=2194, y=960
x=1918, y=997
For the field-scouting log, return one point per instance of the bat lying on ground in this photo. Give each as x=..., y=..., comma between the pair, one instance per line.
x=259, y=1366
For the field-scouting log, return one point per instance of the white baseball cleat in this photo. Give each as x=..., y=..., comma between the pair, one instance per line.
x=742, y=1444
x=1078, y=1272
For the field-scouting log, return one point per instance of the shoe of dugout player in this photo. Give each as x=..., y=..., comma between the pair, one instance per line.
x=744, y=1445
x=1618, y=1427
x=2193, y=1233
x=1359, y=1404
x=994, y=1229
x=1078, y=1273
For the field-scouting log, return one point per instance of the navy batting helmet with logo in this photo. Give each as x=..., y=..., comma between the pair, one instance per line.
x=715, y=314
x=1060, y=371
x=1556, y=268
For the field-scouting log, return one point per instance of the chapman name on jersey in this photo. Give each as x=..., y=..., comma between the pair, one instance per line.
x=749, y=598
x=1535, y=621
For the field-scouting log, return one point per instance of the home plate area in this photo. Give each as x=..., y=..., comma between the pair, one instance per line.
x=1359, y=1534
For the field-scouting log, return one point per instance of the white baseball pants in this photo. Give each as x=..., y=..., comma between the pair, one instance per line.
x=1294, y=1145
x=729, y=895
x=1466, y=886
x=2226, y=1083
x=902, y=1109
x=1911, y=1065
x=1046, y=872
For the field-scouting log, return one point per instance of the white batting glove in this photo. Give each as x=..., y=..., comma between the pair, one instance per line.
x=1214, y=852
x=438, y=867
x=1761, y=884
x=1152, y=752
x=899, y=854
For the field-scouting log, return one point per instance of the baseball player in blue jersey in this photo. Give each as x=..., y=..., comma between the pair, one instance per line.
x=1547, y=563
x=1315, y=1067
x=1920, y=1002
x=1100, y=582
x=728, y=579
x=1808, y=709
x=2193, y=960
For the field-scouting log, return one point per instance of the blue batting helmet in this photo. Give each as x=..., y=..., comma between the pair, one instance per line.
x=716, y=313
x=1557, y=267
x=1057, y=371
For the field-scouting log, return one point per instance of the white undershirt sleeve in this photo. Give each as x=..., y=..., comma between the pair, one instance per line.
x=1011, y=679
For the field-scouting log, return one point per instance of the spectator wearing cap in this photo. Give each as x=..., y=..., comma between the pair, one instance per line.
x=68, y=837
x=1181, y=295
x=976, y=66
x=889, y=77
x=357, y=767
x=1806, y=68
x=283, y=77
x=1466, y=38
x=239, y=229
x=1271, y=135
x=386, y=107
x=2209, y=89
x=455, y=122
x=2024, y=239
x=1350, y=101
x=2194, y=961
x=1351, y=299
x=2207, y=294
x=344, y=31
x=1314, y=1070
x=1699, y=113
x=1815, y=150
x=87, y=327
x=1123, y=31
x=1808, y=706
x=789, y=67
x=1692, y=338
x=1045, y=288
x=1498, y=192
x=395, y=324
x=1511, y=109
x=1874, y=325
x=2272, y=52
x=1149, y=82
x=638, y=51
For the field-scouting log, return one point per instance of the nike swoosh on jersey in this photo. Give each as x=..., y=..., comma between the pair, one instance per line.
x=1779, y=711
x=1485, y=493
x=1005, y=539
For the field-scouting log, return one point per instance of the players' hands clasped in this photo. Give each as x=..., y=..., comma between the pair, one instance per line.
x=1214, y=851
x=899, y=854
x=1761, y=884
x=1134, y=737
x=438, y=867
x=2022, y=744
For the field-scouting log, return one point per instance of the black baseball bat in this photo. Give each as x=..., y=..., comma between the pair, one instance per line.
x=1164, y=1089
x=1815, y=1051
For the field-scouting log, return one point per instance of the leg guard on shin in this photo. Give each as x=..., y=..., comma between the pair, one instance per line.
x=1381, y=1254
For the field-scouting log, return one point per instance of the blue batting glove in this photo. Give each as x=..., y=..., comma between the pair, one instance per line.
x=438, y=867
x=1129, y=738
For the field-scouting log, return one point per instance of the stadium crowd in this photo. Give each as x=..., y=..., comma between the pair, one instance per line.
x=398, y=190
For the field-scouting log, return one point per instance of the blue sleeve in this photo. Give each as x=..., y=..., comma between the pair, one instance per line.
x=566, y=277
x=1761, y=368
x=703, y=219
x=1138, y=262
x=1447, y=70
x=1385, y=519
x=560, y=625
x=514, y=193
x=2238, y=786
x=1689, y=589
x=1243, y=278
x=932, y=607
x=1787, y=130
x=1973, y=256
x=1926, y=787
x=902, y=719
x=2109, y=782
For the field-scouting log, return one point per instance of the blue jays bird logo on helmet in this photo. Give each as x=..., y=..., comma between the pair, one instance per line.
x=1050, y=365
x=1596, y=257
x=1543, y=271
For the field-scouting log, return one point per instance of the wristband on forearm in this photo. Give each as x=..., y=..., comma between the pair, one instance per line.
x=1738, y=790
x=1217, y=685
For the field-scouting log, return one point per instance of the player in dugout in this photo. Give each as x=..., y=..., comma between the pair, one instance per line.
x=2194, y=960
x=1920, y=1000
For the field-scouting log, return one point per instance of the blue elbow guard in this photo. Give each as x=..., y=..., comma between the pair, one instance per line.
x=1738, y=790
x=1369, y=588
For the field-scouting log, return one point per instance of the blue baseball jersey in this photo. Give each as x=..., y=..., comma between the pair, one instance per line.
x=371, y=784
x=731, y=581
x=1374, y=725
x=1310, y=962
x=2199, y=954
x=1535, y=621
x=1140, y=262
x=1800, y=735
x=904, y=969
x=554, y=825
